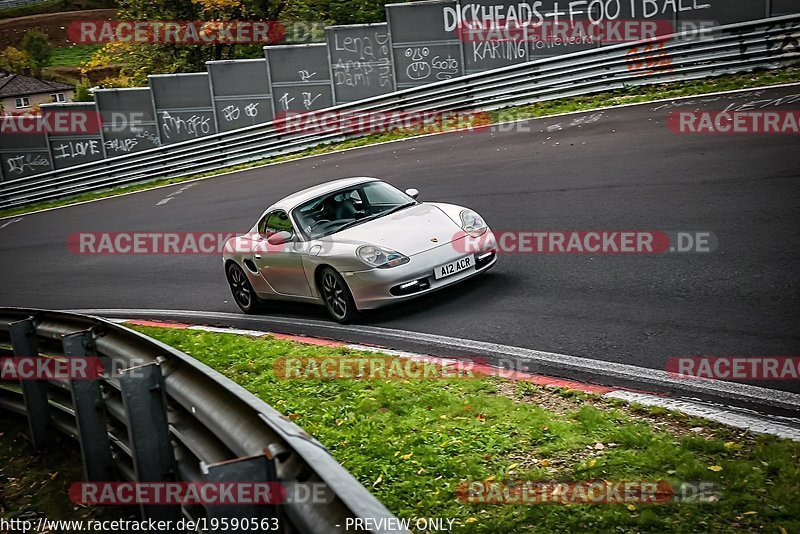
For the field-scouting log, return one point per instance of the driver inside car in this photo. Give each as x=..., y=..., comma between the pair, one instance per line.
x=340, y=208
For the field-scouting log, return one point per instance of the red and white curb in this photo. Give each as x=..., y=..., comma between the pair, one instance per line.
x=754, y=422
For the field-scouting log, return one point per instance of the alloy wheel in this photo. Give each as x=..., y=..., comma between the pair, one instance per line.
x=240, y=288
x=334, y=295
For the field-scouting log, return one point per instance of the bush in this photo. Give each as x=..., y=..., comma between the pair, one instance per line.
x=83, y=91
x=14, y=60
x=113, y=82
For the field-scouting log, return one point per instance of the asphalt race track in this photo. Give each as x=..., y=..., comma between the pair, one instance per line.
x=620, y=169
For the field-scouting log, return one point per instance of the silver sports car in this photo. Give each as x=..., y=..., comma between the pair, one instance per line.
x=355, y=244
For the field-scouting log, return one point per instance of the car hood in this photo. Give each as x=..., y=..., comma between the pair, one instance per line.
x=408, y=231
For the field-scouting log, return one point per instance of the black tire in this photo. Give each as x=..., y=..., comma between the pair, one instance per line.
x=337, y=296
x=242, y=291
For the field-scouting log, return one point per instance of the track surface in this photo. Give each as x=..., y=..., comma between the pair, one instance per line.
x=621, y=169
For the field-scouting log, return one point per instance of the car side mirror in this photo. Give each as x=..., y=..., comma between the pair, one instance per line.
x=413, y=193
x=280, y=238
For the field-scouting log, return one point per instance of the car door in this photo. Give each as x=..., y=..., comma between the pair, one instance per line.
x=281, y=265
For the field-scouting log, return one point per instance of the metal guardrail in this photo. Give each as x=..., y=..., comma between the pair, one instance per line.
x=8, y=4
x=203, y=428
x=768, y=43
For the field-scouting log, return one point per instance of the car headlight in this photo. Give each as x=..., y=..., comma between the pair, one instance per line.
x=382, y=258
x=472, y=223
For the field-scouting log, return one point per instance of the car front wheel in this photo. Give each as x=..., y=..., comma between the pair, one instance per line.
x=337, y=296
x=241, y=289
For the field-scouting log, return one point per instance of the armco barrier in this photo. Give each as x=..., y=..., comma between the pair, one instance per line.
x=767, y=43
x=8, y=4
x=203, y=428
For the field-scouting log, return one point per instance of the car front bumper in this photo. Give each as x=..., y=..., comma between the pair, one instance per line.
x=375, y=288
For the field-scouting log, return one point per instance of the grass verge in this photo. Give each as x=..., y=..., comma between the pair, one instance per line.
x=540, y=109
x=411, y=442
x=73, y=56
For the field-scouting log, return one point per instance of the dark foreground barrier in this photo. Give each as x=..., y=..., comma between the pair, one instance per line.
x=155, y=414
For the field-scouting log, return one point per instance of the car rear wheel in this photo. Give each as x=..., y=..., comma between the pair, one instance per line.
x=241, y=289
x=337, y=296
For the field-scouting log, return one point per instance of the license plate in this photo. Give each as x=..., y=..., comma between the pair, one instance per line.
x=453, y=267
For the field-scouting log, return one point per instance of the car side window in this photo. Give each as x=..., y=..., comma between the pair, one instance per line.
x=277, y=221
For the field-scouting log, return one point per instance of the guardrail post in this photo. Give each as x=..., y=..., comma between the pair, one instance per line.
x=34, y=392
x=253, y=469
x=146, y=409
x=87, y=401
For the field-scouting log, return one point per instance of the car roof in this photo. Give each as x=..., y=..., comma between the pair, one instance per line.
x=295, y=199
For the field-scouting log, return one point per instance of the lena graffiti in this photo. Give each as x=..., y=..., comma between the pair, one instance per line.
x=362, y=61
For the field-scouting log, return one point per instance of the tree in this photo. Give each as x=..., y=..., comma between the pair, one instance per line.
x=14, y=60
x=37, y=45
x=338, y=11
x=140, y=59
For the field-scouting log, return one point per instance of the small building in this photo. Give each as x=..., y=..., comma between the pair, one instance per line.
x=21, y=93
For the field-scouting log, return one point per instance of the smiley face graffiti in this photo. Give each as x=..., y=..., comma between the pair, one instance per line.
x=419, y=68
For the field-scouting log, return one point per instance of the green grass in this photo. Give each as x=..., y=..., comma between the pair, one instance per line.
x=412, y=442
x=540, y=109
x=73, y=56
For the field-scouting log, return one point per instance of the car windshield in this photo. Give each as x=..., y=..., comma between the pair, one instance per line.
x=333, y=212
